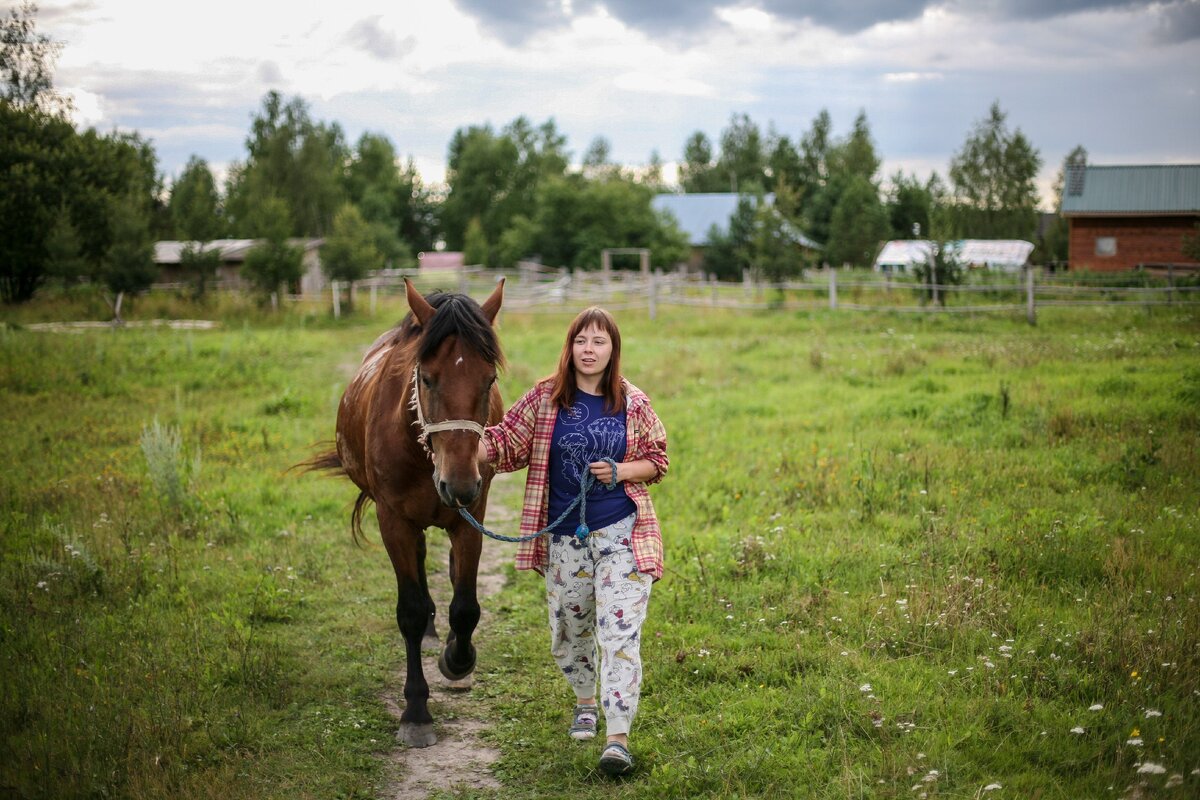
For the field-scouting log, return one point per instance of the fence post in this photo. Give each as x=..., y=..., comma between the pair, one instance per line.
x=652, y=277
x=337, y=300
x=833, y=288
x=1030, y=307
x=1170, y=283
x=374, y=287
x=746, y=284
x=712, y=284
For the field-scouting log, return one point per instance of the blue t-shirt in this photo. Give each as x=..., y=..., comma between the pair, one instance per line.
x=584, y=433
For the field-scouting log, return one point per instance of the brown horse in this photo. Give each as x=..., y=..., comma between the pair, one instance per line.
x=423, y=392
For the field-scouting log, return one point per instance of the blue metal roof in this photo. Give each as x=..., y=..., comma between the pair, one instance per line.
x=1150, y=189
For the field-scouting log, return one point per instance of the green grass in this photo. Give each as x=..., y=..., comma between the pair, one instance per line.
x=894, y=545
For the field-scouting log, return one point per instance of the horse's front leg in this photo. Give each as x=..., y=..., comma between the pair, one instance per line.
x=404, y=544
x=458, y=657
x=430, y=641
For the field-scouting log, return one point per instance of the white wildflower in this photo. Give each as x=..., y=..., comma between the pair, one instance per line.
x=992, y=786
x=1096, y=707
x=1150, y=712
x=1151, y=769
x=1077, y=729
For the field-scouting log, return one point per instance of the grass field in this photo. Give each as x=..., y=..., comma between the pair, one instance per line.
x=906, y=557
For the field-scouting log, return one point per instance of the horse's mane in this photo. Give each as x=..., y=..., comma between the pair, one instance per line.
x=455, y=315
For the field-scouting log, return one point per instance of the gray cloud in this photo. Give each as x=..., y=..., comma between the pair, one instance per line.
x=668, y=16
x=269, y=73
x=1179, y=22
x=371, y=36
x=846, y=17
x=514, y=21
x=78, y=11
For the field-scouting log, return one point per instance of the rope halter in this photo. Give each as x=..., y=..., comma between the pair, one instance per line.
x=427, y=428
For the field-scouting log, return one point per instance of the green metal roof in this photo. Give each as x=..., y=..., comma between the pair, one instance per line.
x=1151, y=189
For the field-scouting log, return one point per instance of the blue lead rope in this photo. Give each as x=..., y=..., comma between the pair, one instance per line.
x=585, y=486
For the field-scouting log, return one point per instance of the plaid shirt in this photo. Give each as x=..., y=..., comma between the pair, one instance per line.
x=522, y=439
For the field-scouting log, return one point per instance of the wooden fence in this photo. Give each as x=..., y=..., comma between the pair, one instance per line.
x=547, y=290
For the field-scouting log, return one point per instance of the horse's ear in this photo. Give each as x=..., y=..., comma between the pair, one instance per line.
x=419, y=305
x=491, y=306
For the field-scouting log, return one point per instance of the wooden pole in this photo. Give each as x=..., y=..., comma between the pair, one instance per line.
x=653, y=295
x=1030, y=307
x=833, y=288
x=374, y=287
x=606, y=271
x=933, y=279
x=337, y=299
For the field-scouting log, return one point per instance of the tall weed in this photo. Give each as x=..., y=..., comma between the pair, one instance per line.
x=172, y=476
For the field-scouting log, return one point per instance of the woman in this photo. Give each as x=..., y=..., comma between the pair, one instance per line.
x=584, y=420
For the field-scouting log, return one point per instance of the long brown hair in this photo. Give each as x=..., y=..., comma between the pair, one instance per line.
x=565, y=385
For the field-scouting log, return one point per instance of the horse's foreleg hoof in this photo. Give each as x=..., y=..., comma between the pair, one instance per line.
x=416, y=734
x=452, y=673
x=460, y=685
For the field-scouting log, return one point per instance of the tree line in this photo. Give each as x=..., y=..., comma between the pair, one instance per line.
x=87, y=205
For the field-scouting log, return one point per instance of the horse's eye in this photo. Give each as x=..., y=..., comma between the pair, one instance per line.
x=428, y=383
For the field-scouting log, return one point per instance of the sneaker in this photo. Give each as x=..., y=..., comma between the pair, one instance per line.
x=584, y=725
x=616, y=761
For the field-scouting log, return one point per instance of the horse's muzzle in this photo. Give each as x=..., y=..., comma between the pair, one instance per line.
x=458, y=494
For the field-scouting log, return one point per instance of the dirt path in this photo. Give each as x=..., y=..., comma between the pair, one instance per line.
x=459, y=760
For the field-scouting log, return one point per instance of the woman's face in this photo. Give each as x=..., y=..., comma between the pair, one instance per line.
x=591, y=351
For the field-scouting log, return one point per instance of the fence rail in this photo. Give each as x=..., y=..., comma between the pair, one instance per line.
x=538, y=289
x=552, y=291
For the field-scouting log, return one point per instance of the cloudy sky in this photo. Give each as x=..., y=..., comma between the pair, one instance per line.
x=1119, y=77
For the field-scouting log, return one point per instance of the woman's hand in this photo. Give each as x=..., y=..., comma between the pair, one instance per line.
x=602, y=472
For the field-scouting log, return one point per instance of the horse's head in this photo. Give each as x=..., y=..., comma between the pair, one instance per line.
x=455, y=373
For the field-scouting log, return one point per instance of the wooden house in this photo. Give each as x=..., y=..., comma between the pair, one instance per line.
x=233, y=255
x=1131, y=217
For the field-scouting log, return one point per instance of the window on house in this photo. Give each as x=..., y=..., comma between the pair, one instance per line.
x=1106, y=245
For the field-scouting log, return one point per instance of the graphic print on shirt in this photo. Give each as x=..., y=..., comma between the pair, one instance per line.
x=589, y=440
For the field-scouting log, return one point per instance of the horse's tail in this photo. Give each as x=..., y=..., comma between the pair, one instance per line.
x=360, y=507
x=331, y=462
x=322, y=462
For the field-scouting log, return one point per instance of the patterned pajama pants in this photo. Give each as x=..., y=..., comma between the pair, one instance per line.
x=596, y=596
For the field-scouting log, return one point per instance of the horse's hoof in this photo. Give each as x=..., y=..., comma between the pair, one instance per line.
x=460, y=685
x=451, y=674
x=416, y=734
